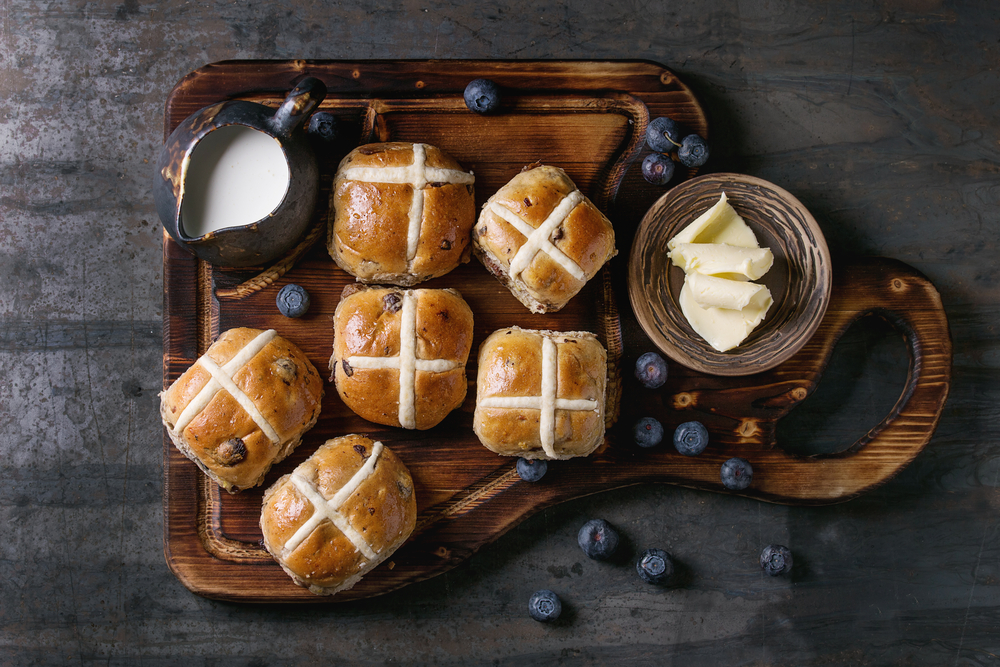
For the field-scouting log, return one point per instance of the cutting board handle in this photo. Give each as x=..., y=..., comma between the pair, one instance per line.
x=906, y=299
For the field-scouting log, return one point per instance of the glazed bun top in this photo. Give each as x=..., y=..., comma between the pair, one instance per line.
x=399, y=355
x=340, y=513
x=401, y=213
x=243, y=405
x=543, y=238
x=541, y=394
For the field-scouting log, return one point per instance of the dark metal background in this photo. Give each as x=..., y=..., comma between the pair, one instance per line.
x=882, y=118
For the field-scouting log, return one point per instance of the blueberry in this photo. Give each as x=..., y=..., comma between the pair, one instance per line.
x=651, y=370
x=663, y=135
x=544, y=606
x=293, y=301
x=531, y=470
x=648, y=432
x=598, y=539
x=482, y=96
x=323, y=126
x=776, y=559
x=655, y=566
x=691, y=438
x=736, y=474
x=657, y=169
x=693, y=151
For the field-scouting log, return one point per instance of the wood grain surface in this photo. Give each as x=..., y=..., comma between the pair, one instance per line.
x=466, y=495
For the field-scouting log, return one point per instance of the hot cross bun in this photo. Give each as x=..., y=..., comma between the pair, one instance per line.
x=541, y=394
x=542, y=238
x=340, y=513
x=242, y=406
x=399, y=355
x=400, y=213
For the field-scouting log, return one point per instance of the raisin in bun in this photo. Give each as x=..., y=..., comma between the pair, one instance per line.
x=541, y=394
x=400, y=213
x=242, y=406
x=340, y=513
x=542, y=238
x=399, y=355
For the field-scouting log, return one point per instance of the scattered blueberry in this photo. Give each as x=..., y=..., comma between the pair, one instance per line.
x=663, y=135
x=531, y=470
x=648, y=432
x=693, y=151
x=736, y=474
x=544, y=606
x=657, y=169
x=482, y=96
x=691, y=438
x=293, y=300
x=598, y=539
x=776, y=559
x=323, y=125
x=651, y=370
x=655, y=566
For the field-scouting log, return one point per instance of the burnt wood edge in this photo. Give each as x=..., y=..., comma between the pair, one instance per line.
x=228, y=76
x=180, y=336
x=230, y=79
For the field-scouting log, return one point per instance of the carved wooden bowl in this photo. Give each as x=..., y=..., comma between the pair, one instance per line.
x=799, y=280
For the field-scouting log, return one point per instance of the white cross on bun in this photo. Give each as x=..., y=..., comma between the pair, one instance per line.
x=541, y=394
x=242, y=406
x=399, y=355
x=400, y=213
x=542, y=238
x=340, y=513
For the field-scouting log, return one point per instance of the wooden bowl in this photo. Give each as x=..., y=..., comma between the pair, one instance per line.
x=799, y=280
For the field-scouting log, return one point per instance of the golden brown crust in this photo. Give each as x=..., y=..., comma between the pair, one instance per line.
x=510, y=365
x=381, y=511
x=369, y=222
x=586, y=237
x=367, y=324
x=223, y=439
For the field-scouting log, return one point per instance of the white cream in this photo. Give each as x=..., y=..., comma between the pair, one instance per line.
x=324, y=509
x=245, y=402
x=538, y=239
x=212, y=387
x=237, y=176
x=535, y=403
x=550, y=376
x=545, y=245
x=408, y=361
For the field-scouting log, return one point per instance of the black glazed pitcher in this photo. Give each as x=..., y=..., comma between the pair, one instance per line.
x=257, y=241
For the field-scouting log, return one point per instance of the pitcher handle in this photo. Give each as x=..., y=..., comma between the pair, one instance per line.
x=301, y=102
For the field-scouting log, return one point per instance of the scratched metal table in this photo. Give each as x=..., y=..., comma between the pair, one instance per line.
x=882, y=119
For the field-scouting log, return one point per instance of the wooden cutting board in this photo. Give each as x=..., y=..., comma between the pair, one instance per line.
x=590, y=119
